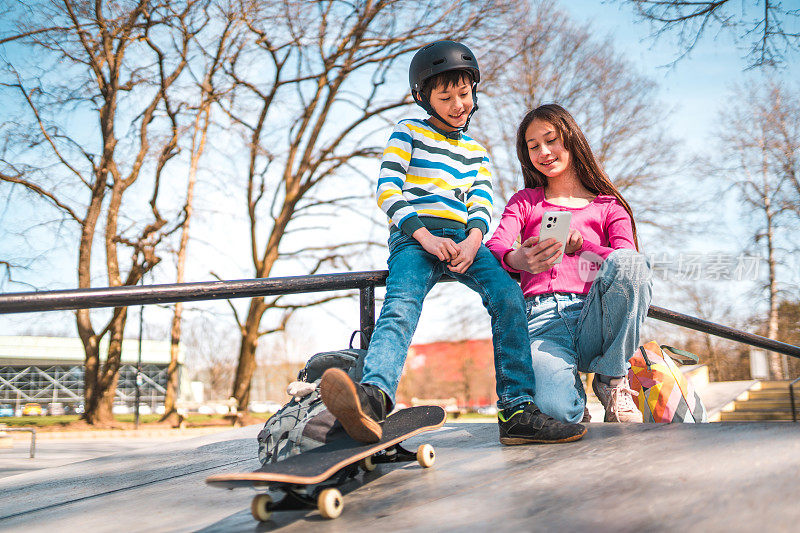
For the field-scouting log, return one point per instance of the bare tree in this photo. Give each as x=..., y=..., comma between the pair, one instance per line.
x=313, y=82
x=711, y=305
x=751, y=140
x=213, y=51
x=110, y=63
x=784, y=122
x=551, y=58
x=770, y=31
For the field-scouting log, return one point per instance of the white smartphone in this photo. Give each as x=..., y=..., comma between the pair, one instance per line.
x=555, y=225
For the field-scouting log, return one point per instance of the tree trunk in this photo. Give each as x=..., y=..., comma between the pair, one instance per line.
x=247, y=354
x=713, y=356
x=83, y=322
x=101, y=379
x=171, y=395
x=775, y=362
x=250, y=330
x=170, y=398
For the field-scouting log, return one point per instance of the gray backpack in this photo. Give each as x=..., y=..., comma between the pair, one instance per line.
x=306, y=424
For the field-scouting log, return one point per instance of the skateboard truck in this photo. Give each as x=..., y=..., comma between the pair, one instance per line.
x=328, y=497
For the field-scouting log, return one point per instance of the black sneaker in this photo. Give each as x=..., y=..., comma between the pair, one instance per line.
x=528, y=425
x=359, y=408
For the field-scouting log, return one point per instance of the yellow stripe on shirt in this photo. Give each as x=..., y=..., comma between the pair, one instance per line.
x=442, y=213
x=386, y=194
x=477, y=200
x=398, y=152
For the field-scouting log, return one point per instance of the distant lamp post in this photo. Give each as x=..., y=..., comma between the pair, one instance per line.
x=139, y=380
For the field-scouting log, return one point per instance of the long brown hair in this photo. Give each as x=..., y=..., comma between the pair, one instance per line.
x=588, y=170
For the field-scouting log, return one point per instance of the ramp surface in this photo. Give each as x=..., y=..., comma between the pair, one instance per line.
x=708, y=477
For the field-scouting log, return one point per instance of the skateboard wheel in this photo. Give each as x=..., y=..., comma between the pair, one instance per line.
x=260, y=507
x=330, y=503
x=426, y=455
x=366, y=464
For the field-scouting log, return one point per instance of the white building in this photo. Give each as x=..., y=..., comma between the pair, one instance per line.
x=50, y=370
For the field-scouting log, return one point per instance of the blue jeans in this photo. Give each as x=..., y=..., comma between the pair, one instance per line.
x=412, y=274
x=596, y=332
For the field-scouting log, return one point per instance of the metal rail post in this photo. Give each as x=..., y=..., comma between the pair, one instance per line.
x=139, y=367
x=367, y=304
x=32, y=431
x=791, y=396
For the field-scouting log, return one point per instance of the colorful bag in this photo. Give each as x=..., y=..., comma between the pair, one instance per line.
x=665, y=395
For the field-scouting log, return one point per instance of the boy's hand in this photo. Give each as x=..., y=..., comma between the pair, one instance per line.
x=468, y=249
x=574, y=242
x=443, y=248
x=534, y=257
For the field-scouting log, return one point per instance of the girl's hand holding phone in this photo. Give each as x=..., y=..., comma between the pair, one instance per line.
x=574, y=242
x=533, y=256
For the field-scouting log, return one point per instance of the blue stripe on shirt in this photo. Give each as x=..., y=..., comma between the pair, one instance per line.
x=435, y=198
x=400, y=136
x=396, y=180
x=479, y=192
x=422, y=163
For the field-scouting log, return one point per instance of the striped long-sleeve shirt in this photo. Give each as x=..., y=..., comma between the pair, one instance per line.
x=427, y=179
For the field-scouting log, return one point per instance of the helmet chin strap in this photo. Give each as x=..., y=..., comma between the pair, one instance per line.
x=426, y=105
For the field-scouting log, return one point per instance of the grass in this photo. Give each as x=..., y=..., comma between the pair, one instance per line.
x=38, y=421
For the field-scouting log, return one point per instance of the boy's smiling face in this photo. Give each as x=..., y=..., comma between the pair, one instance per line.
x=453, y=103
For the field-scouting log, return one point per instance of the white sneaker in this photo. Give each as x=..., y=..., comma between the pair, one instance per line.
x=617, y=399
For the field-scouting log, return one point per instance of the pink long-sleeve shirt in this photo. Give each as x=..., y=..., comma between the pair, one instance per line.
x=604, y=225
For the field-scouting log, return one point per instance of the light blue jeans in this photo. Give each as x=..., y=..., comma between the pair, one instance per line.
x=596, y=332
x=412, y=274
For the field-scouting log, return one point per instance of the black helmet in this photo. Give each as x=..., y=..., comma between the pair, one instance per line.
x=436, y=58
x=439, y=57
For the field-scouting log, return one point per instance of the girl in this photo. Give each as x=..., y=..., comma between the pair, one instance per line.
x=585, y=312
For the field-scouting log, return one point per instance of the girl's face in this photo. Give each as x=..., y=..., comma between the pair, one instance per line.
x=453, y=103
x=546, y=149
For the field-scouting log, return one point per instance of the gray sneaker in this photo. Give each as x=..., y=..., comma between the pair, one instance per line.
x=617, y=400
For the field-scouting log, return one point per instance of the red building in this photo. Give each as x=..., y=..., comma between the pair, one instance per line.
x=463, y=370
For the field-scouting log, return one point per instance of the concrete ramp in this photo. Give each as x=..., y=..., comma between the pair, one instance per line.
x=709, y=477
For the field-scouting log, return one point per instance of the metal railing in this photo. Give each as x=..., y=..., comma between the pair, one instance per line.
x=32, y=431
x=365, y=282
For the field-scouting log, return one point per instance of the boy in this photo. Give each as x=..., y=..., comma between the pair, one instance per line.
x=435, y=187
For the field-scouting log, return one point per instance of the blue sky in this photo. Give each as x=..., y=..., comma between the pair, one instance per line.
x=695, y=88
x=695, y=85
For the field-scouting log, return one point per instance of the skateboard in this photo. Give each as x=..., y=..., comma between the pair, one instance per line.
x=316, y=478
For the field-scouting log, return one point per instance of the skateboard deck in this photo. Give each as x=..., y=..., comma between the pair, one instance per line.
x=312, y=477
x=319, y=464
